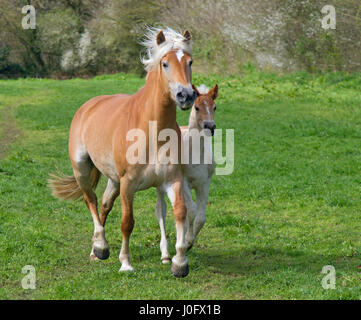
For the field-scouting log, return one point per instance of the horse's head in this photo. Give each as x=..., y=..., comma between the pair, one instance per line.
x=204, y=108
x=171, y=53
x=176, y=67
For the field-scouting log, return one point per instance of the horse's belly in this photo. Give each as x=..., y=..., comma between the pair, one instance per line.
x=106, y=165
x=155, y=175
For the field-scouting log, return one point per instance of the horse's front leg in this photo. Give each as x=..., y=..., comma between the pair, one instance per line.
x=161, y=212
x=179, y=262
x=127, y=196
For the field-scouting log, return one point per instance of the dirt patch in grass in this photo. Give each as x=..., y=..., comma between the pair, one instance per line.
x=9, y=130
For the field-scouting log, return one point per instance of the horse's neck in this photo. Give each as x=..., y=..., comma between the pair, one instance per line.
x=159, y=106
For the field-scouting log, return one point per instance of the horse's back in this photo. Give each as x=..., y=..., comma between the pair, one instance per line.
x=93, y=127
x=99, y=103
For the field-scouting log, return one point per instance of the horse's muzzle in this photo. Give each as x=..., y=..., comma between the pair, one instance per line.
x=185, y=98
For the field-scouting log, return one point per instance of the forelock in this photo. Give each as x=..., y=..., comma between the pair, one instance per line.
x=155, y=52
x=203, y=89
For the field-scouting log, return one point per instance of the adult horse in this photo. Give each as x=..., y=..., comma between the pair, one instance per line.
x=98, y=145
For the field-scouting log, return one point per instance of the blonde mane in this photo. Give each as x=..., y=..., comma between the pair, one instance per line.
x=155, y=52
x=203, y=89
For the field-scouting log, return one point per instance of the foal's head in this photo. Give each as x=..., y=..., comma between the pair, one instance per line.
x=171, y=53
x=204, y=108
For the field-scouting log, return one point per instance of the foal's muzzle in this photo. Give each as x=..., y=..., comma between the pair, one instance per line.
x=185, y=97
x=209, y=126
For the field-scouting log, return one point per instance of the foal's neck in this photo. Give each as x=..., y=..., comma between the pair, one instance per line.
x=193, y=124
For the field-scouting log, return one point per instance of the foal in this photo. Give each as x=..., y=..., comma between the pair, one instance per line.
x=197, y=176
x=98, y=145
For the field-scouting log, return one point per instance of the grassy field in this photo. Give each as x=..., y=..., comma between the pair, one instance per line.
x=291, y=206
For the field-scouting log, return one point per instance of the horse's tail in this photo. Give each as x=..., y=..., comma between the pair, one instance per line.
x=66, y=187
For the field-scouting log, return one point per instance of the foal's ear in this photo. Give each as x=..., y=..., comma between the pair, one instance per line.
x=196, y=90
x=187, y=35
x=214, y=92
x=160, y=37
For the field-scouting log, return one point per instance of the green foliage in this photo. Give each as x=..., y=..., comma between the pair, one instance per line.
x=291, y=206
x=117, y=30
x=59, y=31
x=83, y=38
x=6, y=66
x=4, y=57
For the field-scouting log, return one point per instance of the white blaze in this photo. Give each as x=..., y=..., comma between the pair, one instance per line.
x=180, y=54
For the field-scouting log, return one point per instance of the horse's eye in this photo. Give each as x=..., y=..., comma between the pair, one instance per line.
x=197, y=109
x=214, y=108
x=165, y=64
x=190, y=63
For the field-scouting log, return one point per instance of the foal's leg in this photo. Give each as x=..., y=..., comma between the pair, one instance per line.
x=161, y=212
x=202, y=199
x=126, y=195
x=191, y=213
x=179, y=262
x=82, y=168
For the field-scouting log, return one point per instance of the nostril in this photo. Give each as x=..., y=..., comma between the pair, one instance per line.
x=181, y=97
x=192, y=96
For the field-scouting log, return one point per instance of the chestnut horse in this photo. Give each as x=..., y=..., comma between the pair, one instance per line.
x=98, y=145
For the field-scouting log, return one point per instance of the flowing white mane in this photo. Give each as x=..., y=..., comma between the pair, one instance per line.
x=155, y=52
x=203, y=89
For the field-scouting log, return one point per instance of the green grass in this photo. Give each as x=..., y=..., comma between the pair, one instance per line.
x=291, y=206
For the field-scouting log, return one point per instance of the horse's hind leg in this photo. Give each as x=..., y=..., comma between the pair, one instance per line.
x=110, y=194
x=161, y=212
x=82, y=169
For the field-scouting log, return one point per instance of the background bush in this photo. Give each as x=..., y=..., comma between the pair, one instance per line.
x=84, y=37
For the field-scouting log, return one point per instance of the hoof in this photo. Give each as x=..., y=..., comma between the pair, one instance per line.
x=93, y=258
x=102, y=254
x=125, y=268
x=165, y=260
x=179, y=272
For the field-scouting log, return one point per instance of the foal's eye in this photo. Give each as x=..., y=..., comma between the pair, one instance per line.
x=214, y=108
x=197, y=109
x=165, y=64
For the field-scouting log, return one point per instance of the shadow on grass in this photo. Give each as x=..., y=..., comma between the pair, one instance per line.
x=264, y=259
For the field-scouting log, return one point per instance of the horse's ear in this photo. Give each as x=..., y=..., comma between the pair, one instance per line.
x=160, y=37
x=187, y=35
x=214, y=92
x=196, y=90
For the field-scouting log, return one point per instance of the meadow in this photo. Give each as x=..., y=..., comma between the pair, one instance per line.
x=291, y=206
